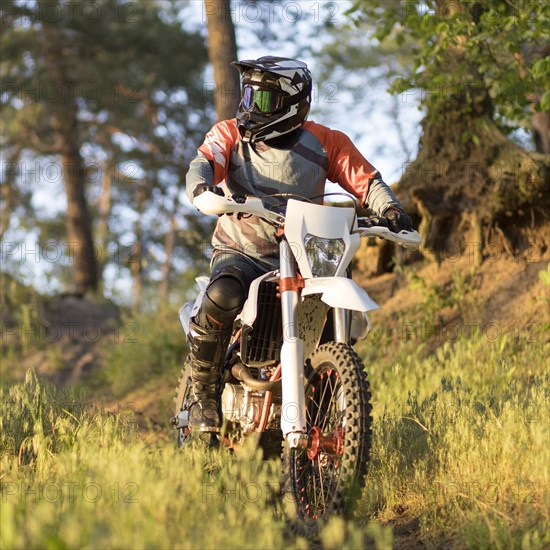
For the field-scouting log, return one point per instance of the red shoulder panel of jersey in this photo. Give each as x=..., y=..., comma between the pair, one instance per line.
x=218, y=144
x=346, y=165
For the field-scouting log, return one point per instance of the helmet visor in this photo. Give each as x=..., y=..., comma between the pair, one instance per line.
x=260, y=99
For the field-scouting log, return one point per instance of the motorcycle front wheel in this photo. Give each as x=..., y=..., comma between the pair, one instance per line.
x=326, y=478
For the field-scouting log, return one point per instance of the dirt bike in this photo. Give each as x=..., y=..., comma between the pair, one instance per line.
x=291, y=374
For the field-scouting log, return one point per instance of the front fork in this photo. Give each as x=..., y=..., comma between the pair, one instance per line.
x=293, y=417
x=342, y=319
x=293, y=414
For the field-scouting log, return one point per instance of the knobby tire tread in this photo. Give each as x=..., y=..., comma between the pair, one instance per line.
x=358, y=438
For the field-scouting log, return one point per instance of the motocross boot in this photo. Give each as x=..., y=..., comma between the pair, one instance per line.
x=209, y=335
x=207, y=349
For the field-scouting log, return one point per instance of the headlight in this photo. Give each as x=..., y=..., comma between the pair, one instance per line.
x=324, y=255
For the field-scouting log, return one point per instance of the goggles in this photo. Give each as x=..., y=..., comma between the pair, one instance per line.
x=261, y=99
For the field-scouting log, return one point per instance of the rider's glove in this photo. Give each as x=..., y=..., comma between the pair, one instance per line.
x=202, y=187
x=397, y=219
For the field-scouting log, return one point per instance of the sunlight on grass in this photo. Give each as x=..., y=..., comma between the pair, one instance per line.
x=461, y=441
x=461, y=447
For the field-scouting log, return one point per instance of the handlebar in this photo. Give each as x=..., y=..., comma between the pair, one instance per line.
x=378, y=227
x=212, y=204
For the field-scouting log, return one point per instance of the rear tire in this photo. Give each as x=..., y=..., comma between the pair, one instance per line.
x=338, y=406
x=182, y=392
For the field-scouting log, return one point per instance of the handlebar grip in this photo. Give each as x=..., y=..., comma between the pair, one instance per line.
x=203, y=187
x=239, y=198
x=372, y=221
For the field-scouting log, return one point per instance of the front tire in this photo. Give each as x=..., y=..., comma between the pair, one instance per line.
x=326, y=479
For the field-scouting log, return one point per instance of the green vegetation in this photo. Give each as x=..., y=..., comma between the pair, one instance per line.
x=87, y=480
x=457, y=294
x=74, y=479
x=462, y=443
x=502, y=40
x=460, y=451
x=151, y=346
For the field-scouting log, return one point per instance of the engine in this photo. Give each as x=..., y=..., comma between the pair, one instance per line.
x=243, y=406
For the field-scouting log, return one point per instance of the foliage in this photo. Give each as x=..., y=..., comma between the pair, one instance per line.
x=460, y=442
x=499, y=46
x=39, y=420
x=456, y=295
x=102, y=487
x=21, y=307
x=122, y=83
x=544, y=276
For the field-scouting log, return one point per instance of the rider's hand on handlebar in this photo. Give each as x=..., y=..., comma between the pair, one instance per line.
x=372, y=221
x=202, y=187
x=398, y=220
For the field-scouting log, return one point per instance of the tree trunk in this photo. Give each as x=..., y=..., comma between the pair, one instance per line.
x=169, y=243
x=104, y=209
x=11, y=169
x=65, y=125
x=136, y=256
x=136, y=268
x=222, y=50
x=541, y=132
x=79, y=226
x=467, y=174
x=7, y=206
x=540, y=121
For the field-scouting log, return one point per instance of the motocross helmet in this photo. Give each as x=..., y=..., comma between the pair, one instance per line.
x=276, y=97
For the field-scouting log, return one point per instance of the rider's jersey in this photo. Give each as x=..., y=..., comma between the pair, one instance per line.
x=300, y=166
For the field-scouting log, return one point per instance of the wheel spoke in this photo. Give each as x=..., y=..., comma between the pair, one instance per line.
x=318, y=405
x=329, y=408
x=322, y=473
x=322, y=485
x=321, y=402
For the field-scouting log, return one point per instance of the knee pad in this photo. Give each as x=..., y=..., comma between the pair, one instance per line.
x=226, y=294
x=224, y=298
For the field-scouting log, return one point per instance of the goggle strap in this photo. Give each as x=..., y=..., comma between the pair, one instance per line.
x=296, y=98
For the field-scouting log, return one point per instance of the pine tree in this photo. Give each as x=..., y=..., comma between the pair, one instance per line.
x=86, y=82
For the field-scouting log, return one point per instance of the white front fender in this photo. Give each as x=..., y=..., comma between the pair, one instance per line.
x=340, y=292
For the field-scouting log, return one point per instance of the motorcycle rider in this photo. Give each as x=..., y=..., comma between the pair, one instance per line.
x=268, y=148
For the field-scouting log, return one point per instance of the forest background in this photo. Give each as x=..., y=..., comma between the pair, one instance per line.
x=103, y=104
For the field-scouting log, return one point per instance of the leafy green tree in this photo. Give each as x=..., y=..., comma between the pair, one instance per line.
x=501, y=47
x=475, y=81
x=110, y=83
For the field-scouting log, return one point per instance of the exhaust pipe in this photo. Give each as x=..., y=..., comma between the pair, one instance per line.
x=240, y=372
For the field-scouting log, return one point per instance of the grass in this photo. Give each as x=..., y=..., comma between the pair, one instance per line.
x=459, y=460
x=71, y=479
x=462, y=444
x=460, y=450
x=151, y=346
